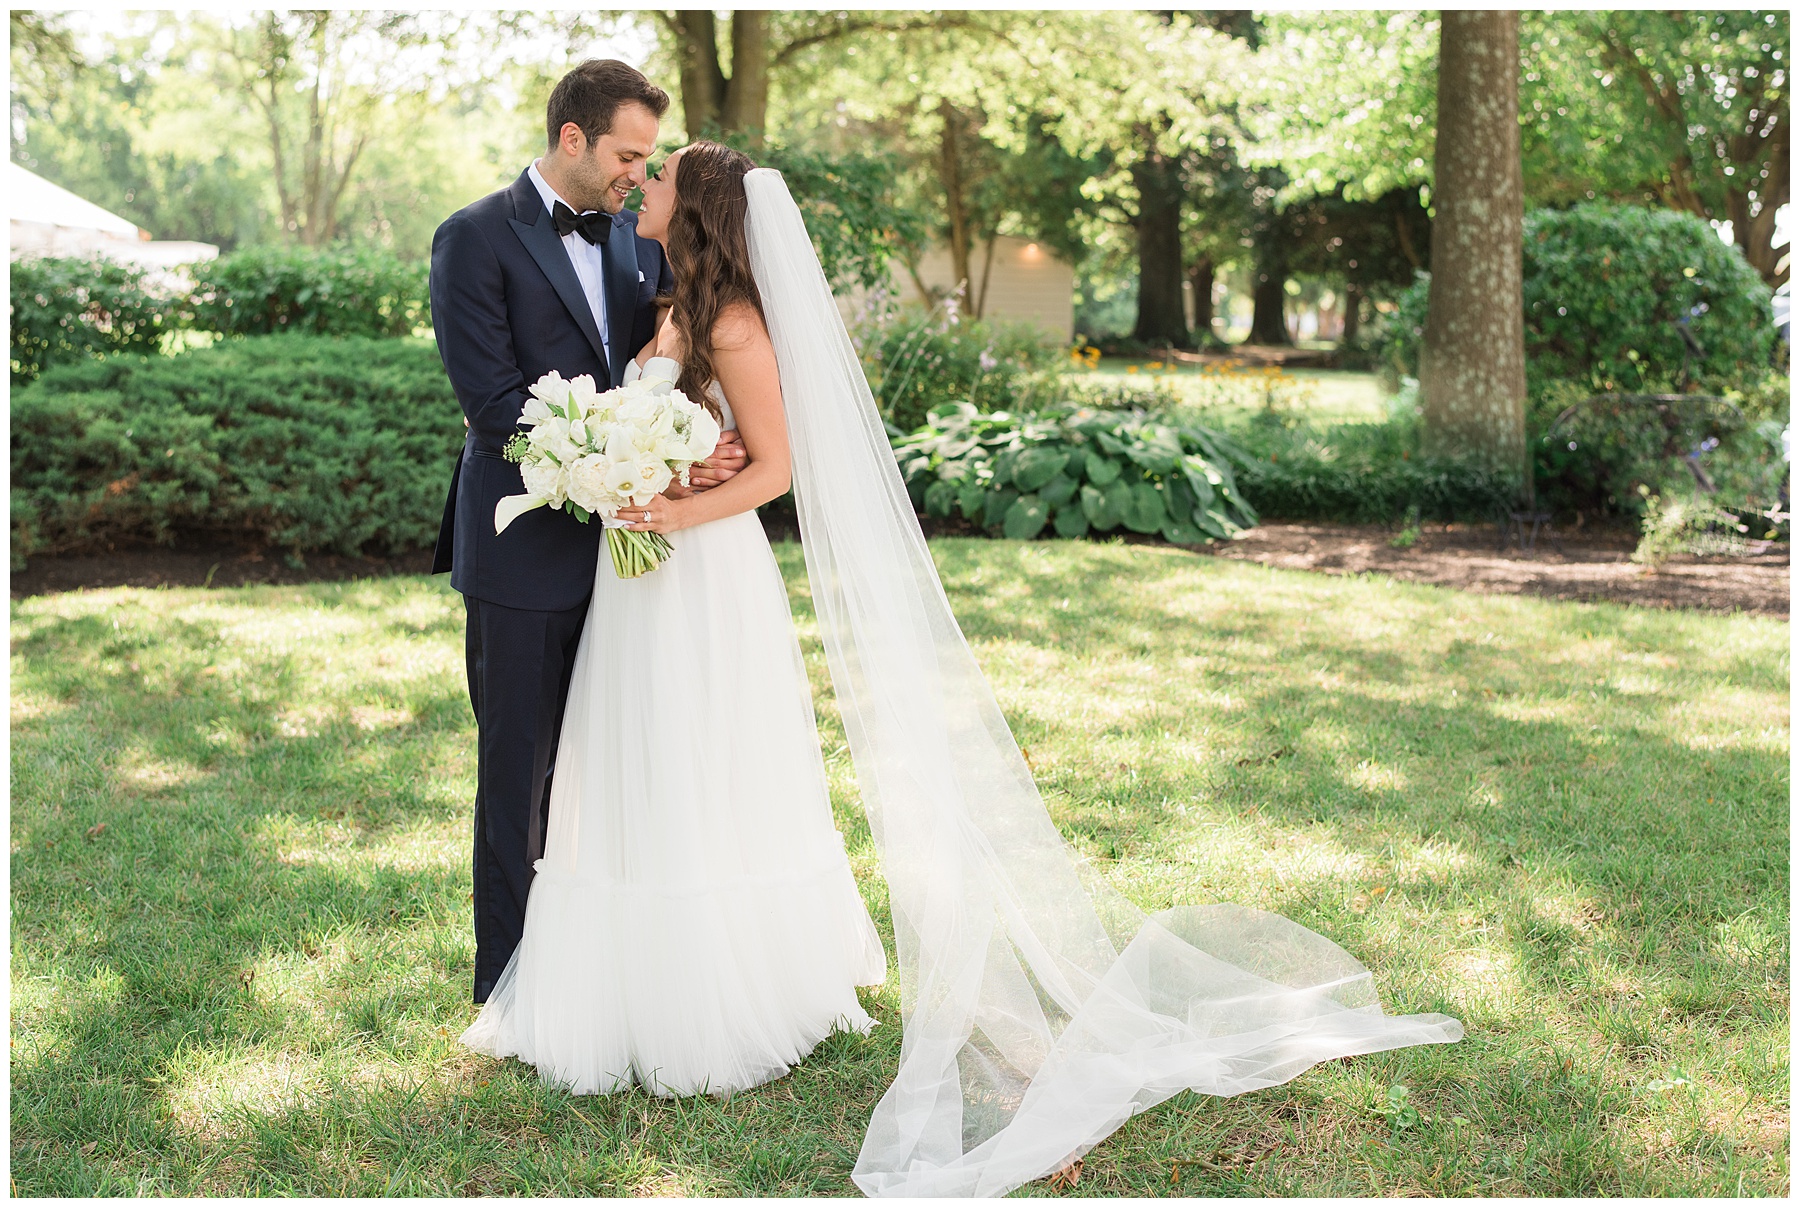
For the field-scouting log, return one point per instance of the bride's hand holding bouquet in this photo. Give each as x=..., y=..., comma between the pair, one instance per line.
x=594, y=453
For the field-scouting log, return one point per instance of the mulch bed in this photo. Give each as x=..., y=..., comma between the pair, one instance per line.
x=1590, y=566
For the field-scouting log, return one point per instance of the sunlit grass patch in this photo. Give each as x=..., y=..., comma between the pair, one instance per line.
x=241, y=946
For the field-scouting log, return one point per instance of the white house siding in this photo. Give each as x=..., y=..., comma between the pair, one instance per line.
x=1026, y=283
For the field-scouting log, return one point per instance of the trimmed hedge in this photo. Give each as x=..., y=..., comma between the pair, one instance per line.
x=271, y=290
x=303, y=443
x=70, y=309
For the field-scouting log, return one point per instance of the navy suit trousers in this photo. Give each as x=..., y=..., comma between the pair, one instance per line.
x=519, y=668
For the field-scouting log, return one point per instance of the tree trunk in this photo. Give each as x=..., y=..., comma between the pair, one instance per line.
x=1472, y=366
x=1268, y=292
x=987, y=274
x=702, y=80
x=1201, y=275
x=746, y=106
x=951, y=173
x=1160, y=317
x=1353, y=299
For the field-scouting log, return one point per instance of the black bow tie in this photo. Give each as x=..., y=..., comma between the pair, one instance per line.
x=594, y=226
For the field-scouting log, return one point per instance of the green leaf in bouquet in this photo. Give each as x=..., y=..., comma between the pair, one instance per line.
x=580, y=513
x=1026, y=518
x=1058, y=490
x=1101, y=470
x=996, y=505
x=1144, y=513
x=970, y=497
x=1071, y=519
x=1035, y=467
x=940, y=497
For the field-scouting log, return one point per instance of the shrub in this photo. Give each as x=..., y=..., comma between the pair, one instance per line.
x=1605, y=288
x=919, y=361
x=272, y=290
x=304, y=443
x=1608, y=452
x=69, y=309
x=1073, y=472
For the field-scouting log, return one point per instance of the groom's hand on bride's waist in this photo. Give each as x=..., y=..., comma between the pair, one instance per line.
x=726, y=459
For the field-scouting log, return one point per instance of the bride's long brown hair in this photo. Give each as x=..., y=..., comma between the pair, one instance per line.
x=710, y=256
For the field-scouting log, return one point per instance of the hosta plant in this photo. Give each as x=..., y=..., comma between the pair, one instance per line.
x=1072, y=473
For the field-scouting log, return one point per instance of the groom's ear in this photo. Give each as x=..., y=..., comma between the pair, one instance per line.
x=571, y=140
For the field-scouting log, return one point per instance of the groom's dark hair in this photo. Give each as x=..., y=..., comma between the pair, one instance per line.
x=590, y=95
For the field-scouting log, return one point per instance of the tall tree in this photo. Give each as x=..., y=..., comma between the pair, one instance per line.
x=761, y=45
x=1472, y=368
x=324, y=85
x=1689, y=108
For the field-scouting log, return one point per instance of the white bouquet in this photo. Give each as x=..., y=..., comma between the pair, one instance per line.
x=592, y=454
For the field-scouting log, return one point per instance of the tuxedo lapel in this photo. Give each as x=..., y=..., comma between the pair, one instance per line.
x=545, y=246
x=620, y=258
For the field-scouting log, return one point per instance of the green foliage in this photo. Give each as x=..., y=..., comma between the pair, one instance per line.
x=917, y=361
x=1605, y=289
x=1074, y=472
x=70, y=309
x=271, y=290
x=1605, y=452
x=850, y=211
x=1686, y=524
x=301, y=442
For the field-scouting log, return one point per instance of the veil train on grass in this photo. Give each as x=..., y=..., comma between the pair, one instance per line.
x=1040, y=1009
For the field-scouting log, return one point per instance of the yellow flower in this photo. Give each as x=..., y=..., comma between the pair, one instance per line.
x=1131, y=369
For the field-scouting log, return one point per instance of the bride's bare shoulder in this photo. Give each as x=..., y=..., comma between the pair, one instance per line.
x=739, y=326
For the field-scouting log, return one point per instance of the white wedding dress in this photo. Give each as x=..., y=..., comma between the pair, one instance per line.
x=694, y=925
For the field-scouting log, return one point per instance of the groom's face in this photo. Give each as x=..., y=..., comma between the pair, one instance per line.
x=605, y=172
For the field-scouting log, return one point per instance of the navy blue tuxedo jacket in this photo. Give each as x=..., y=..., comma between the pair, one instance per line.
x=508, y=308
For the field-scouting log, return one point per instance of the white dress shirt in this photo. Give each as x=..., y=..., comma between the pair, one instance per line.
x=590, y=267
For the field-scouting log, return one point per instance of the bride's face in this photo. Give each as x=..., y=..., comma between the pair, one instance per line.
x=659, y=200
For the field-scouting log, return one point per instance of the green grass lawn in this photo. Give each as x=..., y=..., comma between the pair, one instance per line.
x=241, y=951
x=1320, y=396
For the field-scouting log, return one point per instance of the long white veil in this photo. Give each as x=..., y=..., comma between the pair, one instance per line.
x=1040, y=1009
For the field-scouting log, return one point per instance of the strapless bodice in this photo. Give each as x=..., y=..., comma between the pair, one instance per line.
x=669, y=370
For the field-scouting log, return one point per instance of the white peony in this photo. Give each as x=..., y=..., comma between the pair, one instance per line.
x=587, y=484
x=552, y=390
x=546, y=480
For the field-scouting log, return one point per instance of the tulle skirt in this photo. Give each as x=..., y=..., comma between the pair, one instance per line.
x=694, y=926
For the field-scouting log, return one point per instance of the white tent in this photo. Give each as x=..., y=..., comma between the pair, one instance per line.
x=48, y=220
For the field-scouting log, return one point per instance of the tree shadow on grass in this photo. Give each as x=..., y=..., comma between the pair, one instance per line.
x=252, y=978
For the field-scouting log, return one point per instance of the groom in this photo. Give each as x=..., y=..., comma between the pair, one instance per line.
x=548, y=274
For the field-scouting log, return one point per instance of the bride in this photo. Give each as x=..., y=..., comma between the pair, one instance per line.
x=694, y=925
